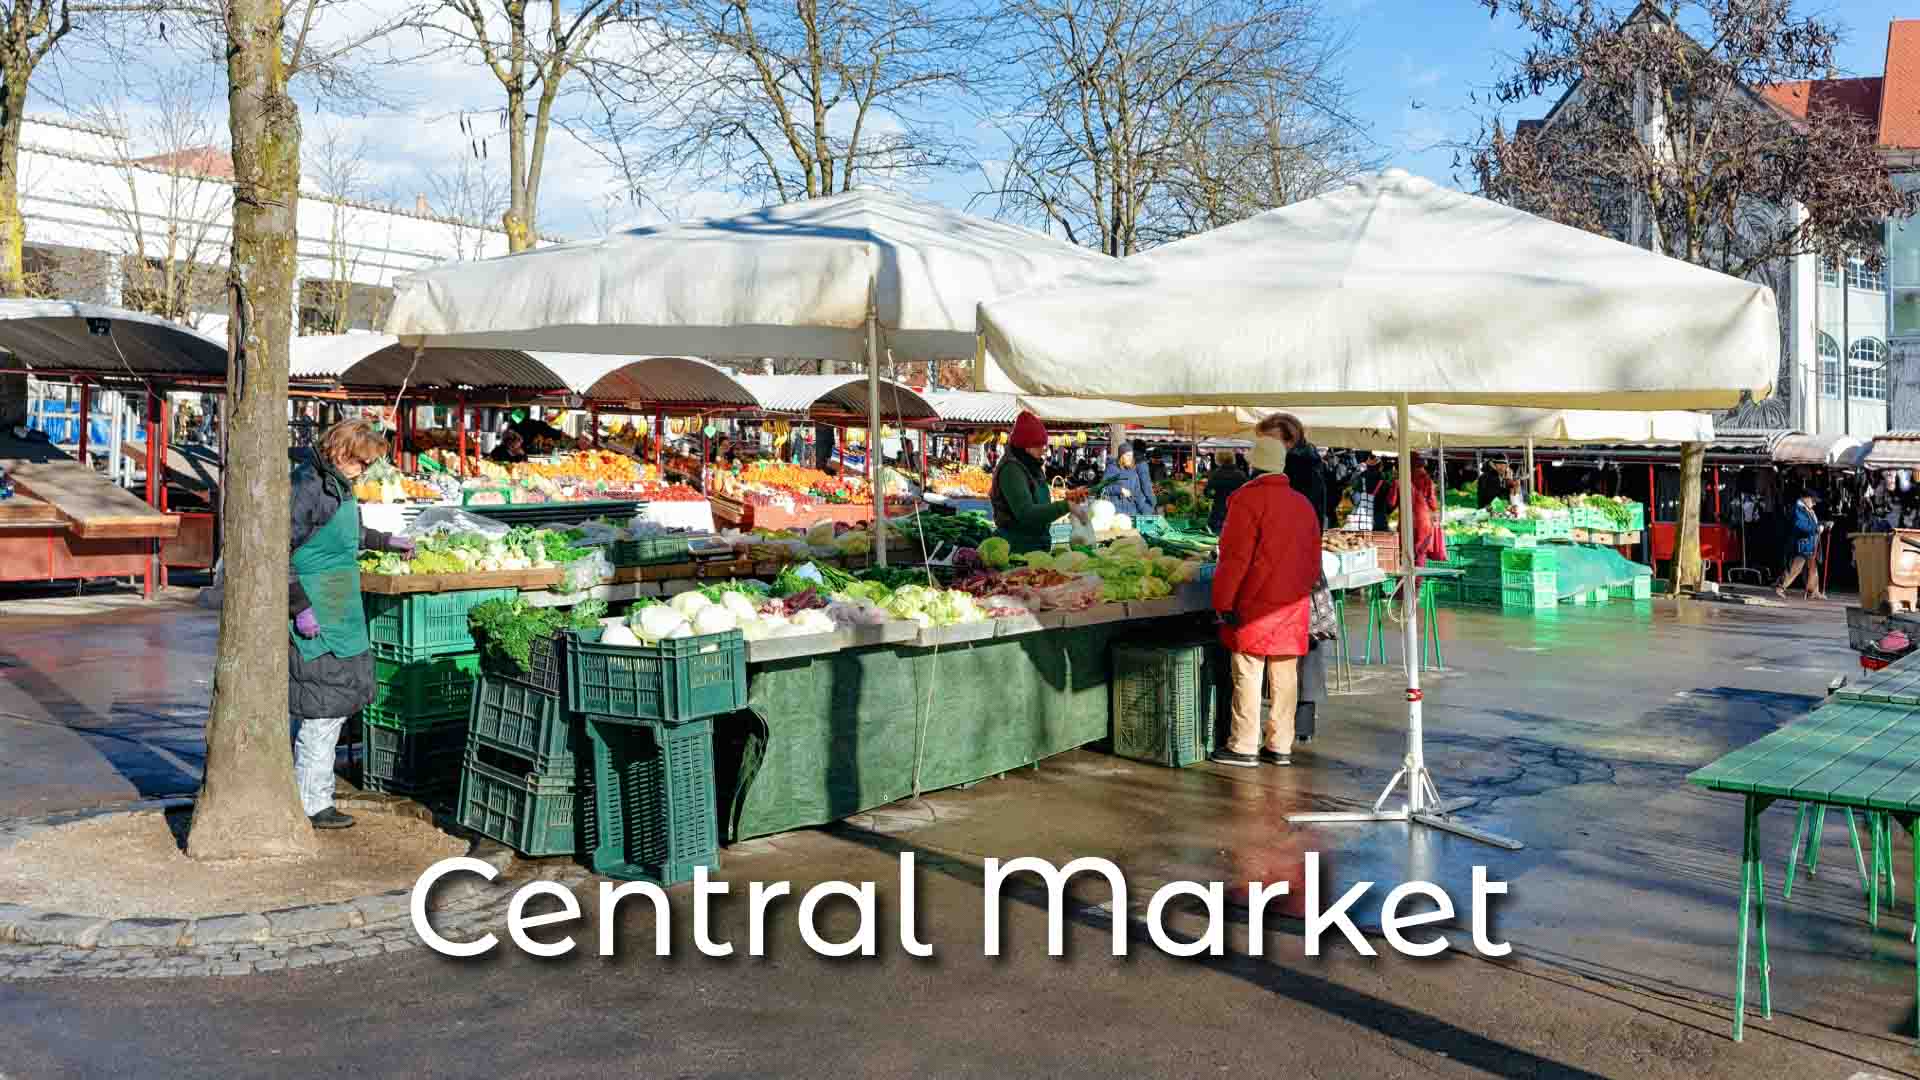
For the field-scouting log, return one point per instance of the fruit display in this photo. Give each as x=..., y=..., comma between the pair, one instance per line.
x=969, y=481
x=584, y=466
x=1341, y=540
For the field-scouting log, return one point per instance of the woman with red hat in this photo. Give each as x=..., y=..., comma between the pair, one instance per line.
x=1022, y=512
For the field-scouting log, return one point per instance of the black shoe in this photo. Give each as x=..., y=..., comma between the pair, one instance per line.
x=331, y=819
x=1228, y=757
x=1272, y=757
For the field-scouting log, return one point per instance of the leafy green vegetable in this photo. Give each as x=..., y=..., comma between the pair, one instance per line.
x=507, y=628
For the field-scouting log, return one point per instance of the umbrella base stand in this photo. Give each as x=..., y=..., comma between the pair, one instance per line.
x=1435, y=812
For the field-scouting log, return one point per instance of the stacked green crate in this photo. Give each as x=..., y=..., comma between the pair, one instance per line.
x=650, y=811
x=1164, y=702
x=518, y=784
x=424, y=665
x=1529, y=579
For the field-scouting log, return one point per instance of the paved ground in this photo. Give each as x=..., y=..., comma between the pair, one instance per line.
x=1575, y=732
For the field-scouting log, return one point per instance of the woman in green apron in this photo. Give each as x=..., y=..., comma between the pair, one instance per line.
x=329, y=663
x=1023, y=515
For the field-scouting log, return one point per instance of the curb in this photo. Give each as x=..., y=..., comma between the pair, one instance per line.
x=24, y=926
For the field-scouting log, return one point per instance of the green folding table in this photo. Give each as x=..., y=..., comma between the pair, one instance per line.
x=1849, y=753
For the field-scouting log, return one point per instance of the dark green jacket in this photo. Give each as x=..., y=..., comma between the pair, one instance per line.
x=1022, y=513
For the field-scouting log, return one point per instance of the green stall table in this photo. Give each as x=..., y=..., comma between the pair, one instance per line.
x=828, y=736
x=1851, y=754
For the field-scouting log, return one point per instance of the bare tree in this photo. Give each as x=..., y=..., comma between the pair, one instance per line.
x=1132, y=122
x=339, y=173
x=791, y=101
x=468, y=196
x=1672, y=142
x=248, y=806
x=172, y=194
x=533, y=50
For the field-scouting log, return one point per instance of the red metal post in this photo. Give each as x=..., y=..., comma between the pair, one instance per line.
x=86, y=418
x=460, y=420
x=154, y=407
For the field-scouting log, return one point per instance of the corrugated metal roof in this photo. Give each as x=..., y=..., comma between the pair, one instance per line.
x=53, y=336
x=835, y=395
x=1894, y=450
x=379, y=360
x=665, y=380
x=1796, y=449
x=974, y=407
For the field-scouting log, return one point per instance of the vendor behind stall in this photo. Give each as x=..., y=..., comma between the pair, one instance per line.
x=329, y=665
x=512, y=448
x=532, y=431
x=1023, y=515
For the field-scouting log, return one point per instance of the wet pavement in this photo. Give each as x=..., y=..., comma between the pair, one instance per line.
x=1574, y=732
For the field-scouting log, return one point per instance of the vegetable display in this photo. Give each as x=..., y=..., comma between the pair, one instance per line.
x=507, y=628
x=466, y=553
x=1618, y=512
x=961, y=530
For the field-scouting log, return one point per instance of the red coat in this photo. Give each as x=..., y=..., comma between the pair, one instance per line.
x=1269, y=563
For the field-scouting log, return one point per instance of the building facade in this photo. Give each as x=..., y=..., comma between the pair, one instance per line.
x=152, y=233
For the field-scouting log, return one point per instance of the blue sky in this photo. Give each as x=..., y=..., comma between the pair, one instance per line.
x=1416, y=64
x=1414, y=67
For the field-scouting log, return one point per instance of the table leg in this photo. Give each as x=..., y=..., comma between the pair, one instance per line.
x=1873, y=891
x=1859, y=860
x=1813, y=842
x=1749, y=845
x=1793, y=853
x=1760, y=900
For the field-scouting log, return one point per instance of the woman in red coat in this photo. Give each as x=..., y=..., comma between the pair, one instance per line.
x=1262, y=593
x=1429, y=538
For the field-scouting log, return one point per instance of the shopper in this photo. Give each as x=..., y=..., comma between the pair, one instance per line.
x=1262, y=595
x=1023, y=515
x=1496, y=482
x=1130, y=485
x=1227, y=478
x=329, y=665
x=1807, y=529
x=1305, y=470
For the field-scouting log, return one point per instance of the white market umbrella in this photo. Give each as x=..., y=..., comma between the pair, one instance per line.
x=1392, y=291
x=848, y=278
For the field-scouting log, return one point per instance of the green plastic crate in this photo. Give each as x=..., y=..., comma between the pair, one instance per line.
x=522, y=719
x=1481, y=574
x=394, y=720
x=1164, y=702
x=440, y=686
x=649, y=551
x=505, y=798
x=651, y=814
x=1546, y=581
x=1527, y=598
x=1529, y=560
x=676, y=681
x=1556, y=526
x=420, y=625
x=1640, y=589
x=424, y=761
x=1445, y=590
x=1480, y=595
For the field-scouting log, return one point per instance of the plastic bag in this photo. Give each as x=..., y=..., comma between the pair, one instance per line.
x=583, y=574
x=455, y=520
x=1077, y=595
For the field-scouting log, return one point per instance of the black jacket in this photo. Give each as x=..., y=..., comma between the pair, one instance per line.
x=1307, y=474
x=1225, y=480
x=1491, y=487
x=327, y=685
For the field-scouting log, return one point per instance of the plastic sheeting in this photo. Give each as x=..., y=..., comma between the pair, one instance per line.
x=1585, y=567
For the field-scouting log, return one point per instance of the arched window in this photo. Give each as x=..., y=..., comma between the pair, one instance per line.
x=1829, y=366
x=1867, y=369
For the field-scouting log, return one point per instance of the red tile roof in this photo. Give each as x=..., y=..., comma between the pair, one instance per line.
x=1861, y=97
x=208, y=161
x=1900, y=102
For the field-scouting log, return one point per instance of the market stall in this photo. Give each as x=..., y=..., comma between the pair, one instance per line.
x=64, y=520
x=1442, y=298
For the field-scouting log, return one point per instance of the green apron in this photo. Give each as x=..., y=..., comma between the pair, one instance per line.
x=328, y=566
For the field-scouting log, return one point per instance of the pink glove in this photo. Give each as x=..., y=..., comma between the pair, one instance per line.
x=306, y=624
x=401, y=544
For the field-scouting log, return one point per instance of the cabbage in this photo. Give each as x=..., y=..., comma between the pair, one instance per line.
x=996, y=552
x=714, y=619
x=659, y=621
x=1102, y=512
x=1121, y=521
x=618, y=634
x=689, y=603
x=684, y=630
x=814, y=621
x=741, y=607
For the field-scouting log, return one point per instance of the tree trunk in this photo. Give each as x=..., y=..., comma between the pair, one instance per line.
x=249, y=807
x=1688, y=572
x=13, y=226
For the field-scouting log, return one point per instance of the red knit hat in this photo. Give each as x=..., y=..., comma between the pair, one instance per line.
x=1028, y=432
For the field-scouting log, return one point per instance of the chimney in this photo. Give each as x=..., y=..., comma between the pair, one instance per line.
x=420, y=205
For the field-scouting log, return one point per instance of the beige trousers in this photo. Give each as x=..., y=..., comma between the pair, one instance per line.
x=1282, y=677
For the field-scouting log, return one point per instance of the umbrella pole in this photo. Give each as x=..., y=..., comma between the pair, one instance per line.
x=873, y=434
x=1424, y=804
x=1527, y=485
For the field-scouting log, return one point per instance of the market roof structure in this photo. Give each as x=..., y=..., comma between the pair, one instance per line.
x=843, y=397
x=1832, y=448
x=965, y=408
x=672, y=381
x=380, y=361
x=58, y=337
